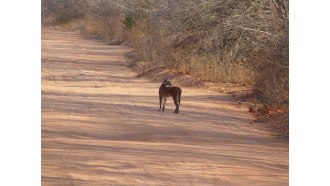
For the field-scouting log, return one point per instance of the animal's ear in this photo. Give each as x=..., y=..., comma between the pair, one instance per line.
x=166, y=80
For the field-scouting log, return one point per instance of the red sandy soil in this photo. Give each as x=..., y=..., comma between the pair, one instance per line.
x=101, y=126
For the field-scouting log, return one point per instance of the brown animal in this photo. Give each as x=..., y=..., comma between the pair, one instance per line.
x=166, y=90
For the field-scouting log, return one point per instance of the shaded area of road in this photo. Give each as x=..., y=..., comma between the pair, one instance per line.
x=101, y=126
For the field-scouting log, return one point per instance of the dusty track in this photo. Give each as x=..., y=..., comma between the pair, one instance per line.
x=101, y=126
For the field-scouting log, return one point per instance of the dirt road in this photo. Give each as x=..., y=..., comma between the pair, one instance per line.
x=101, y=126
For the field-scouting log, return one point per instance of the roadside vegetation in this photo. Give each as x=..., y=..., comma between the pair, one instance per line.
x=225, y=41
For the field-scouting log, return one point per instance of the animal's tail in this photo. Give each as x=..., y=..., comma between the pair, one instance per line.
x=180, y=97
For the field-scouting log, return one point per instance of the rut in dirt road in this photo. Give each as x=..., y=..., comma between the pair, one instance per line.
x=101, y=126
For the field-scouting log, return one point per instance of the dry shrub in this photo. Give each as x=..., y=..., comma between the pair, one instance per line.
x=272, y=78
x=243, y=42
x=102, y=28
x=104, y=21
x=63, y=11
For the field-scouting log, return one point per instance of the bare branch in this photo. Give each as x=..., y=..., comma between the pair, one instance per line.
x=251, y=29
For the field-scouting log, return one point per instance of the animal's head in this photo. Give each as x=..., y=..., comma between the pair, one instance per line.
x=167, y=82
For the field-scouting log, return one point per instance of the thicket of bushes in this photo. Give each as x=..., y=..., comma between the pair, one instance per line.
x=243, y=42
